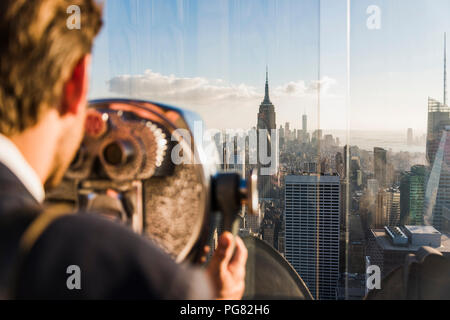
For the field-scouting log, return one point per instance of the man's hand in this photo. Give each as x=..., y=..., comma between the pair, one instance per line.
x=227, y=267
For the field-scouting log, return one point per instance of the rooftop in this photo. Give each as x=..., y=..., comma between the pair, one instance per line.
x=422, y=230
x=312, y=179
x=384, y=242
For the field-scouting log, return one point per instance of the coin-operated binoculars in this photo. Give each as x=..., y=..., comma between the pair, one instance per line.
x=143, y=165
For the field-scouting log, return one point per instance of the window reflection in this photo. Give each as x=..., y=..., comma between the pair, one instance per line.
x=360, y=179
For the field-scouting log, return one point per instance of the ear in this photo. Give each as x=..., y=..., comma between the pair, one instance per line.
x=76, y=88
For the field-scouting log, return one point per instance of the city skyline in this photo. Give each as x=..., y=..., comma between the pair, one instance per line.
x=343, y=193
x=214, y=63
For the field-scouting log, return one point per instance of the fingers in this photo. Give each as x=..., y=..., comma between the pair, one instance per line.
x=225, y=250
x=240, y=254
x=227, y=267
x=232, y=253
x=239, y=260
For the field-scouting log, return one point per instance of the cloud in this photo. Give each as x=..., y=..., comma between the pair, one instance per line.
x=218, y=101
x=170, y=88
x=201, y=90
x=301, y=89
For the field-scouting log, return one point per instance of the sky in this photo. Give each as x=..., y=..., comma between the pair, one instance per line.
x=210, y=56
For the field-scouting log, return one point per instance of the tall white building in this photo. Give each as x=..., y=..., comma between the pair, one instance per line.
x=312, y=209
x=305, y=123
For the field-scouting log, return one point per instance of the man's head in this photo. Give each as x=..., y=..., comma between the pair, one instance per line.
x=44, y=69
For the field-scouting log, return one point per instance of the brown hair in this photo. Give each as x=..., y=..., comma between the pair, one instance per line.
x=37, y=55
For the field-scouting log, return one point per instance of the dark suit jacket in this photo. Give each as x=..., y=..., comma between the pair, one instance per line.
x=114, y=262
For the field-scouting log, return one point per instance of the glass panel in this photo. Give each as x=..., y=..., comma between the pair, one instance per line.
x=242, y=65
x=398, y=160
x=355, y=96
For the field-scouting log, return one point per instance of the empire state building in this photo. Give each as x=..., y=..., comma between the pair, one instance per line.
x=266, y=115
x=267, y=122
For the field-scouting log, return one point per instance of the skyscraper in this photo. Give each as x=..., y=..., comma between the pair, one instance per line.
x=266, y=115
x=266, y=121
x=412, y=192
x=437, y=199
x=281, y=137
x=287, y=131
x=312, y=209
x=409, y=137
x=339, y=164
x=393, y=216
x=234, y=154
x=438, y=119
x=281, y=132
x=380, y=161
x=305, y=123
x=387, y=208
x=372, y=187
x=438, y=116
x=379, y=219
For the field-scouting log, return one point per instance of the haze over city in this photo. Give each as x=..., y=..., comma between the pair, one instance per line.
x=210, y=57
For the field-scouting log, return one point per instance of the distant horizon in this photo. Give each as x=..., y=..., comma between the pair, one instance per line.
x=211, y=56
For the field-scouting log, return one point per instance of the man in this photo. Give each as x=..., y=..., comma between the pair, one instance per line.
x=43, y=87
